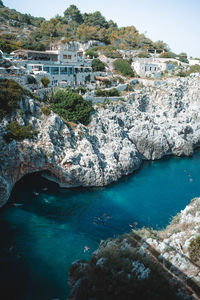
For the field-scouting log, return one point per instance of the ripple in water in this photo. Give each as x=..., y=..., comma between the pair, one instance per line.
x=41, y=238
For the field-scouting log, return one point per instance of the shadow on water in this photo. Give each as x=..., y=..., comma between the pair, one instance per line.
x=17, y=273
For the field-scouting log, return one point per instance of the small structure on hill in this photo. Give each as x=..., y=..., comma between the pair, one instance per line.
x=151, y=67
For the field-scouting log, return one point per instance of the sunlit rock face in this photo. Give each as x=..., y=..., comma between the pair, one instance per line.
x=159, y=118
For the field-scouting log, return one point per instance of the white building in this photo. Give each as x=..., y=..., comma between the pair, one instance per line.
x=151, y=67
x=58, y=64
x=193, y=62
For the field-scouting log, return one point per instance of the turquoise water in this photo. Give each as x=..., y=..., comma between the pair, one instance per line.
x=40, y=239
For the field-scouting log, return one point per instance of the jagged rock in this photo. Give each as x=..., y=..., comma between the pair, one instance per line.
x=158, y=120
x=143, y=267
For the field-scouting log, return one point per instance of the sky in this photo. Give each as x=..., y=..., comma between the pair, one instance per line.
x=176, y=22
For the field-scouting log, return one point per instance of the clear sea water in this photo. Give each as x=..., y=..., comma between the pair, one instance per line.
x=40, y=239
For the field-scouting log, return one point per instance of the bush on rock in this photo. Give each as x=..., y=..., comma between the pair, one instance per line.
x=71, y=106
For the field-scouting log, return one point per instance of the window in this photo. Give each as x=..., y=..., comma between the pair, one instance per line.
x=63, y=70
x=46, y=69
x=55, y=70
x=65, y=56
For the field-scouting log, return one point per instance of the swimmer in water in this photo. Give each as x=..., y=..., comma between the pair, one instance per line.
x=10, y=249
x=86, y=248
x=133, y=225
x=17, y=204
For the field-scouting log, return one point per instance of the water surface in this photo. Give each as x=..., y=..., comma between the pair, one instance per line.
x=40, y=239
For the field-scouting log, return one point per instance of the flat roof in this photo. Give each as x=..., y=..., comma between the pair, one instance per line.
x=37, y=52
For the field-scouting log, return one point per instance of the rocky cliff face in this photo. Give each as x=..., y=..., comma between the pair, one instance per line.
x=144, y=264
x=159, y=119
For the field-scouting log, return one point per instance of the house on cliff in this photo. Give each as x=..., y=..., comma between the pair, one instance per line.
x=151, y=67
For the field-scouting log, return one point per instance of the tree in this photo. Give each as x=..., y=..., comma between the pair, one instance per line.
x=98, y=65
x=161, y=45
x=169, y=54
x=45, y=81
x=112, y=24
x=1, y=3
x=183, y=58
x=71, y=106
x=18, y=132
x=144, y=54
x=124, y=37
x=31, y=79
x=91, y=53
x=102, y=35
x=73, y=14
x=85, y=33
x=123, y=67
x=95, y=19
x=10, y=95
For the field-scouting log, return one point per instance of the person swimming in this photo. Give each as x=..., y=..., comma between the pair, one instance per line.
x=86, y=248
x=17, y=204
x=133, y=224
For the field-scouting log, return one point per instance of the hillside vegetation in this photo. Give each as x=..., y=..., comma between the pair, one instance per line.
x=10, y=95
x=25, y=31
x=71, y=106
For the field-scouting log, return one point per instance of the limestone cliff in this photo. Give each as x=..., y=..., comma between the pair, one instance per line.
x=159, y=118
x=144, y=264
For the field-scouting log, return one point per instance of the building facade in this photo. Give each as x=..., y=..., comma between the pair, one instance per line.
x=60, y=64
x=151, y=67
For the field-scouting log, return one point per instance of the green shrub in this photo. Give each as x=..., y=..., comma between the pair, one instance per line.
x=168, y=54
x=45, y=81
x=194, y=249
x=194, y=69
x=31, y=79
x=98, y=65
x=91, y=53
x=183, y=58
x=118, y=79
x=108, y=83
x=144, y=55
x=123, y=67
x=10, y=94
x=111, y=52
x=46, y=111
x=15, y=131
x=88, y=78
x=107, y=93
x=182, y=74
x=80, y=89
x=71, y=106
